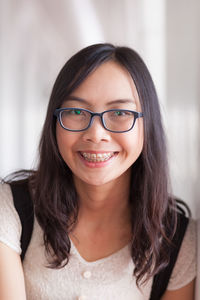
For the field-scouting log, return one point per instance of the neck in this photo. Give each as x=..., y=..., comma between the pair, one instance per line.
x=105, y=204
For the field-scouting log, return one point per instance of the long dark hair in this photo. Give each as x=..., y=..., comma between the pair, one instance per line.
x=54, y=194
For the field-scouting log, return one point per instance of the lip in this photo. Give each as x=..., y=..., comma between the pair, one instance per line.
x=99, y=164
x=98, y=151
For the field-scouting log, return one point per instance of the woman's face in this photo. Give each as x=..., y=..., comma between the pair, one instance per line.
x=110, y=86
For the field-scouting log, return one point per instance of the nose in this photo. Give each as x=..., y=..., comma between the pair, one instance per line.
x=96, y=132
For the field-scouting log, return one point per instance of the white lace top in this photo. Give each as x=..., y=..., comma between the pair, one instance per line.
x=197, y=294
x=109, y=278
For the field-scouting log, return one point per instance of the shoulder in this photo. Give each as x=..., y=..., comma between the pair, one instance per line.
x=185, y=268
x=6, y=202
x=198, y=260
x=5, y=192
x=10, y=225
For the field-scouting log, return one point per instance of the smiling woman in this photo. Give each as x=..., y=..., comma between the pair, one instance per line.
x=92, y=139
x=105, y=224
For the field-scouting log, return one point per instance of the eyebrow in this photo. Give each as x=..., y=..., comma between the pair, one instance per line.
x=117, y=101
x=77, y=99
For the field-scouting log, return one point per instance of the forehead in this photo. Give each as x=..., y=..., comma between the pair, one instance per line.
x=108, y=82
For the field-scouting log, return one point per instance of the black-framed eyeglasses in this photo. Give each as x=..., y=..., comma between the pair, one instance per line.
x=114, y=120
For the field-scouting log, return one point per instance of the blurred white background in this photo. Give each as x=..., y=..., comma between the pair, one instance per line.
x=36, y=39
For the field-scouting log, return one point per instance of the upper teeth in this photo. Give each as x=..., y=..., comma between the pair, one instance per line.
x=97, y=156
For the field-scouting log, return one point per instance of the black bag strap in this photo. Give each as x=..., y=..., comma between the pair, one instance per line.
x=24, y=206
x=161, y=279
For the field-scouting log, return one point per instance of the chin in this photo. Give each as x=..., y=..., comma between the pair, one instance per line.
x=97, y=182
x=94, y=181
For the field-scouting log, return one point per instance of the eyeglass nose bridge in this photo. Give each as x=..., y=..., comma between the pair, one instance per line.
x=100, y=115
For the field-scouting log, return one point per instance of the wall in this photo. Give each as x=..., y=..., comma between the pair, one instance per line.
x=37, y=37
x=183, y=98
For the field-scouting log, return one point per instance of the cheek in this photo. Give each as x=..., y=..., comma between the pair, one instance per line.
x=135, y=140
x=64, y=142
x=133, y=146
x=134, y=149
x=140, y=140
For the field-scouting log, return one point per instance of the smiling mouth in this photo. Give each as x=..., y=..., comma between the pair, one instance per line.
x=97, y=157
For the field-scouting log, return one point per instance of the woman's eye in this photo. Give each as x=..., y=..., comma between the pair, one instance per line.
x=76, y=112
x=121, y=113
